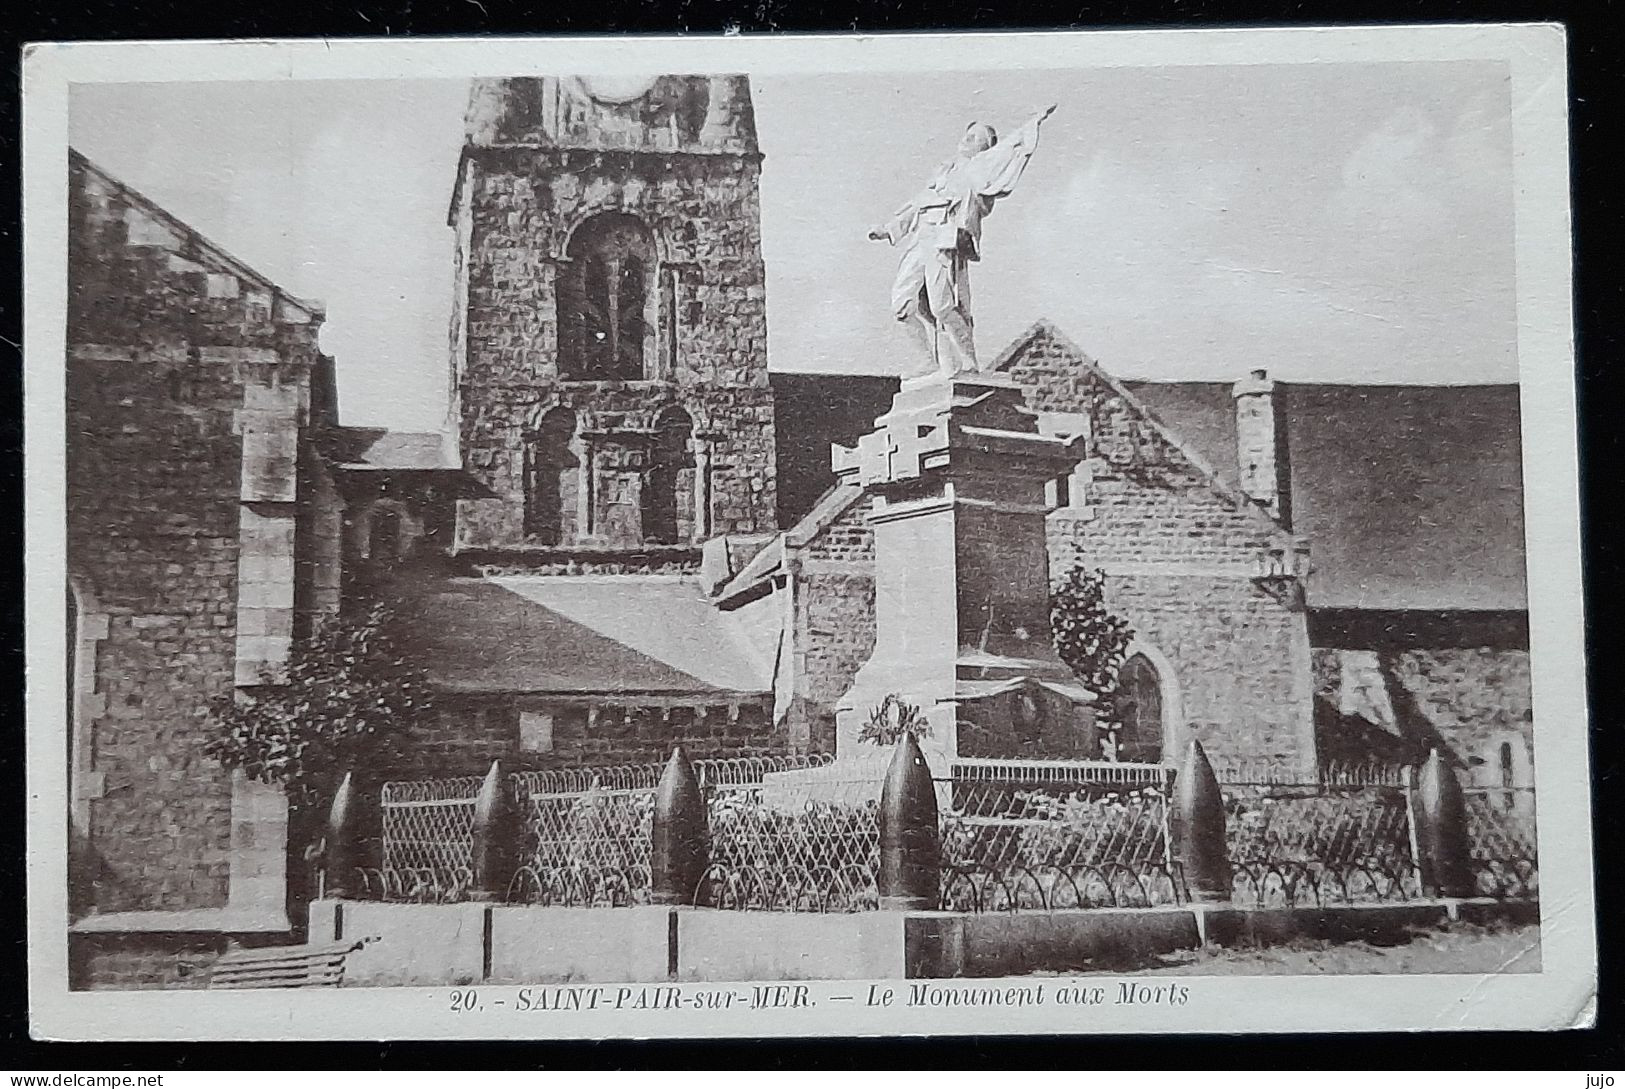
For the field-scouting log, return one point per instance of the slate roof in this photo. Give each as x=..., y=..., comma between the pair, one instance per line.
x=579, y=635
x=187, y=238
x=1204, y=415
x=364, y=448
x=1411, y=496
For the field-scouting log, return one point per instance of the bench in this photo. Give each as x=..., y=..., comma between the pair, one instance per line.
x=283, y=966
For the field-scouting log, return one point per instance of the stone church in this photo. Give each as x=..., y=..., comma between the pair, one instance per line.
x=630, y=533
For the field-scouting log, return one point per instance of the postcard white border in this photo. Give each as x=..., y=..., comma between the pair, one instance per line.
x=1561, y=995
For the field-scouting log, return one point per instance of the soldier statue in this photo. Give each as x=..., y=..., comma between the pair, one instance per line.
x=940, y=231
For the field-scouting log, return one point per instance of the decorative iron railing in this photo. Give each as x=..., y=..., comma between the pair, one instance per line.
x=803, y=834
x=1014, y=834
x=1336, y=773
x=428, y=832
x=1503, y=842
x=586, y=831
x=1059, y=888
x=1343, y=839
x=1314, y=883
x=1028, y=835
x=808, y=842
x=586, y=849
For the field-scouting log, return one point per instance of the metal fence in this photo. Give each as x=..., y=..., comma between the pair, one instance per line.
x=1350, y=837
x=1502, y=837
x=585, y=849
x=1045, y=835
x=1327, y=842
x=427, y=840
x=585, y=841
x=808, y=842
x=1015, y=835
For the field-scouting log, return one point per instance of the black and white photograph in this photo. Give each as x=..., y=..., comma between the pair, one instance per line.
x=994, y=533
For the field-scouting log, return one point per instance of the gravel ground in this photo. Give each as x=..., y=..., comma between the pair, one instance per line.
x=1460, y=948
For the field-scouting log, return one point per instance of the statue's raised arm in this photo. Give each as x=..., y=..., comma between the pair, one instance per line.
x=995, y=171
x=940, y=231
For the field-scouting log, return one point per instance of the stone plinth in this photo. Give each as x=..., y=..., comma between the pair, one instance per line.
x=958, y=470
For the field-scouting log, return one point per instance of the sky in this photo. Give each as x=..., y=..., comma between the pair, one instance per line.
x=1325, y=222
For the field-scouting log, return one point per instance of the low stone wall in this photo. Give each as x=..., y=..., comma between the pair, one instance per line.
x=941, y=945
x=738, y=945
x=141, y=961
x=161, y=950
x=417, y=943
x=459, y=944
x=563, y=945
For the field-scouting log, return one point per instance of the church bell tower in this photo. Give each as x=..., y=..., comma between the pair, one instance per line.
x=609, y=329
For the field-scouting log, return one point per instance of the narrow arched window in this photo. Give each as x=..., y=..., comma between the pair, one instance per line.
x=1139, y=711
x=552, y=479
x=606, y=305
x=667, y=518
x=1509, y=777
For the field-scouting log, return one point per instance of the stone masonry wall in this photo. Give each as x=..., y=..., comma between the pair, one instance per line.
x=468, y=734
x=835, y=623
x=1180, y=553
x=711, y=352
x=164, y=334
x=142, y=961
x=152, y=525
x=1240, y=659
x=1393, y=704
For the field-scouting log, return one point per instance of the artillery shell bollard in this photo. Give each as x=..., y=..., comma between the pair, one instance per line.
x=679, y=853
x=910, y=877
x=1199, y=836
x=339, y=857
x=1442, y=843
x=496, y=836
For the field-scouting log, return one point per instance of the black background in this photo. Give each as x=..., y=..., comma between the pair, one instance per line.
x=1597, y=74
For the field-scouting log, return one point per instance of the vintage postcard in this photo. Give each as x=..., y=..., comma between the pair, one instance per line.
x=538, y=538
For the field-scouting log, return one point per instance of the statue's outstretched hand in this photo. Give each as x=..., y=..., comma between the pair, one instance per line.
x=1047, y=110
x=879, y=234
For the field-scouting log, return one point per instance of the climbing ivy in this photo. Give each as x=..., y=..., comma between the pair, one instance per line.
x=1089, y=638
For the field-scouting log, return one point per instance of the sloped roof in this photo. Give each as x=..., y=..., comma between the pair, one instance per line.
x=1204, y=415
x=375, y=448
x=180, y=237
x=837, y=499
x=1411, y=497
x=578, y=635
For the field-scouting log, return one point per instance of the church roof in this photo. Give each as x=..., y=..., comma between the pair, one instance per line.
x=148, y=223
x=1203, y=413
x=1411, y=497
x=375, y=448
x=581, y=634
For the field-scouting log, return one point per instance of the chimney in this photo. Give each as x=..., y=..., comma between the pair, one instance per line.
x=1261, y=446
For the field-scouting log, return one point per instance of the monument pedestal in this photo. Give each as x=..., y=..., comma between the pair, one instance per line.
x=958, y=470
